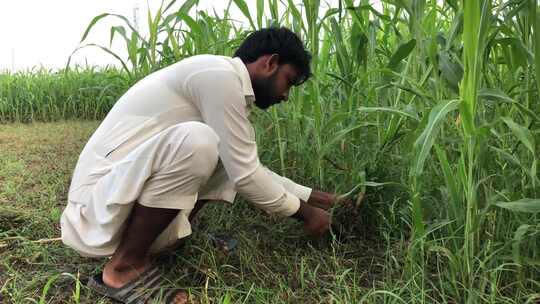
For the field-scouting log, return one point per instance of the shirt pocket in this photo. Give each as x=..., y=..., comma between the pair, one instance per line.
x=123, y=131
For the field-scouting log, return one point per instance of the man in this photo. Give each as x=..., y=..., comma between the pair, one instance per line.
x=175, y=140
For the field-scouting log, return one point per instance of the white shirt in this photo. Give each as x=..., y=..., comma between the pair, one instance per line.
x=215, y=90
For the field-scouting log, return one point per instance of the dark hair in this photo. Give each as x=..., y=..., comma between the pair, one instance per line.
x=281, y=41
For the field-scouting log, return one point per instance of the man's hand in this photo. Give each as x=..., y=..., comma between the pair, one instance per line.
x=321, y=199
x=326, y=200
x=316, y=220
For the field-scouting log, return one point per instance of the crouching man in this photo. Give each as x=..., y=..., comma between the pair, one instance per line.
x=175, y=140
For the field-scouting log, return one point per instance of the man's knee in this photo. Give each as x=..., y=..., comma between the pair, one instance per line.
x=202, y=143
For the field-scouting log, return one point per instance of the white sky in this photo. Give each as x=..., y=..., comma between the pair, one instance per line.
x=44, y=33
x=37, y=32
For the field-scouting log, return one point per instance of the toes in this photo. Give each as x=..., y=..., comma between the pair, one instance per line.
x=181, y=298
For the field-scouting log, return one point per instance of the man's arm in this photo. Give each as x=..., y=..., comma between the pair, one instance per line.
x=302, y=192
x=313, y=197
x=219, y=97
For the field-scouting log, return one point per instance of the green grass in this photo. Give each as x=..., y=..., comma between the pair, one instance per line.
x=46, y=95
x=275, y=262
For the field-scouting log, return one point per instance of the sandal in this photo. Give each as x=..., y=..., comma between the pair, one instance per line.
x=223, y=242
x=148, y=288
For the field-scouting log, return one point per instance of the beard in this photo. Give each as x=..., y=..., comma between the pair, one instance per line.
x=265, y=91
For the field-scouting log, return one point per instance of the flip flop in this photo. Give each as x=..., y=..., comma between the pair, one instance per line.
x=148, y=288
x=223, y=242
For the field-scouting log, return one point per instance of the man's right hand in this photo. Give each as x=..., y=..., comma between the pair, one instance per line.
x=316, y=220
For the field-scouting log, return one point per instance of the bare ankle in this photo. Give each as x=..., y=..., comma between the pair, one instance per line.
x=117, y=273
x=123, y=264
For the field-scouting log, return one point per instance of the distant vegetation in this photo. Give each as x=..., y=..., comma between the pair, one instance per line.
x=44, y=95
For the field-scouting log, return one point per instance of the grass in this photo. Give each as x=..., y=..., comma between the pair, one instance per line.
x=46, y=95
x=275, y=262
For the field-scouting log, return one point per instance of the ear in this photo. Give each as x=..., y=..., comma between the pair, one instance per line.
x=272, y=63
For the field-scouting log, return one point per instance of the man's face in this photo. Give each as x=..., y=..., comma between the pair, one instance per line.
x=274, y=88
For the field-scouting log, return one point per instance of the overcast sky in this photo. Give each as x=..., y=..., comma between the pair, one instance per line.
x=44, y=33
x=37, y=32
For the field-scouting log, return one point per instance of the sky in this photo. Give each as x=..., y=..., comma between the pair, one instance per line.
x=36, y=33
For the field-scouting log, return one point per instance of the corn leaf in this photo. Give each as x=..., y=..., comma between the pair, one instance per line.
x=425, y=141
x=451, y=70
x=241, y=4
x=519, y=235
x=529, y=205
x=537, y=48
x=409, y=114
x=401, y=53
x=521, y=132
x=450, y=179
x=498, y=95
x=260, y=12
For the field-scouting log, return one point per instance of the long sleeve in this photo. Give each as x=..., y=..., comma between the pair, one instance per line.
x=218, y=95
x=301, y=191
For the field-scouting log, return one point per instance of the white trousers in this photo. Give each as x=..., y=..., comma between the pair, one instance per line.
x=173, y=169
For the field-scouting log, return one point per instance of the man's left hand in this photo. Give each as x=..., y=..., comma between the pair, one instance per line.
x=324, y=200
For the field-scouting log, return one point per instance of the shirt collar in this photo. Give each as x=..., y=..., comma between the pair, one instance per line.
x=242, y=71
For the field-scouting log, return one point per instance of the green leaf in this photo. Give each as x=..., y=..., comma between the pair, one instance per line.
x=520, y=55
x=226, y=299
x=529, y=205
x=260, y=12
x=451, y=70
x=92, y=23
x=405, y=4
x=534, y=172
x=402, y=52
x=373, y=10
x=509, y=157
x=359, y=44
x=409, y=114
x=361, y=186
x=450, y=179
x=274, y=10
x=343, y=58
x=47, y=286
x=500, y=96
x=375, y=184
x=132, y=49
x=195, y=28
x=453, y=4
x=496, y=94
x=119, y=29
x=519, y=235
x=537, y=48
x=241, y=4
x=296, y=14
x=186, y=7
x=425, y=141
x=99, y=17
x=521, y=132
x=338, y=136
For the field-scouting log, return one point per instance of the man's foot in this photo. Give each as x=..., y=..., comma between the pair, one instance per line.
x=116, y=275
x=116, y=278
